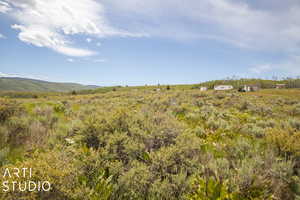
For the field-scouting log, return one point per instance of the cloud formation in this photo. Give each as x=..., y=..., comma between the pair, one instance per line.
x=50, y=24
x=259, y=69
x=242, y=23
x=2, y=36
x=4, y=7
x=89, y=40
x=258, y=25
x=288, y=67
x=101, y=60
x=42, y=37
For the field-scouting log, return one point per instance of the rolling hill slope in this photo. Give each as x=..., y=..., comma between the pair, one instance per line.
x=31, y=85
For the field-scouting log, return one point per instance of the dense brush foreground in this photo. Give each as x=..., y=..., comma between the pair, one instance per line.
x=176, y=143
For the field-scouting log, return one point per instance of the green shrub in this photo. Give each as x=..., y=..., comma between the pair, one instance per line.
x=211, y=189
x=8, y=109
x=59, y=108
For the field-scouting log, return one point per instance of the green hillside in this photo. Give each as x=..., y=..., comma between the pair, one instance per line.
x=31, y=85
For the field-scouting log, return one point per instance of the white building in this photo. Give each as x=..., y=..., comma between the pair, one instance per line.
x=223, y=87
x=280, y=86
x=249, y=88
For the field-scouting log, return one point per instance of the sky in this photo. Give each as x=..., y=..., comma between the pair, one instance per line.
x=138, y=42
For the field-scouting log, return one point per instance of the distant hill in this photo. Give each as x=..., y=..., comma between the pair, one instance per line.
x=32, y=85
x=236, y=83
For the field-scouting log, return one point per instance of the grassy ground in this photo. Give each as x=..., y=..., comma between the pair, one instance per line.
x=288, y=93
x=141, y=143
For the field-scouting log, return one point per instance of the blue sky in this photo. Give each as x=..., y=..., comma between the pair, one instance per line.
x=134, y=42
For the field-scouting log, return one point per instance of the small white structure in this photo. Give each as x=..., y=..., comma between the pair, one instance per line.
x=280, y=86
x=203, y=88
x=223, y=87
x=249, y=88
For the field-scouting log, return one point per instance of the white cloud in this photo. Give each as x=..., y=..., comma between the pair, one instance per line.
x=77, y=52
x=2, y=36
x=245, y=24
x=99, y=60
x=4, y=7
x=98, y=44
x=258, y=69
x=288, y=67
x=50, y=24
x=89, y=40
x=240, y=23
x=87, y=59
x=43, y=37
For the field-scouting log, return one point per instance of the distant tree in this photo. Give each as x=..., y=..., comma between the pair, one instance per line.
x=74, y=92
x=168, y=87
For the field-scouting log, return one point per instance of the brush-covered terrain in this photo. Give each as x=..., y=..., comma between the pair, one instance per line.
x=145, y=144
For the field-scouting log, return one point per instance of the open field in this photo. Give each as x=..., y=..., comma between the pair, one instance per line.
x=139, y=143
